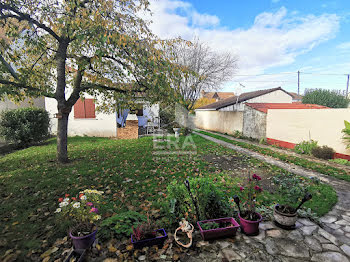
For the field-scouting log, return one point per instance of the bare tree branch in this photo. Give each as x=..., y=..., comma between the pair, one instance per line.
x=204, y=69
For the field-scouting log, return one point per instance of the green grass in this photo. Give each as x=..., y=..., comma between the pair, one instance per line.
x=318, y=167
x=31, y=181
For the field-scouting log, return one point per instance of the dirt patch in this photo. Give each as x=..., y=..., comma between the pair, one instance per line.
x=239, y=166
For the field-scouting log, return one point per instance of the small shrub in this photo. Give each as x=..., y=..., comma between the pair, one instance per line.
x=341, y=161
x=211, y=201
x=185, y=131
x=305, y=147
x=238, y=134
x=291, y=187
x=323, y=152
x=121, y=225
x=24, y=126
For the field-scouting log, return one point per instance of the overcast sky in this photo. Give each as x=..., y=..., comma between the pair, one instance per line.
x=269, y=36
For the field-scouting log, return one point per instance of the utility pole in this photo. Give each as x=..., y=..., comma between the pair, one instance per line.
x=298, y=82
x=347, y=88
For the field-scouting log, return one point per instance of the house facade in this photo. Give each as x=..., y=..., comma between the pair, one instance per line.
x=85, y=120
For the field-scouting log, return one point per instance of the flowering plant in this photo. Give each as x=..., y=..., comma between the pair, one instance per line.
x=83, y=210
x=248, y=196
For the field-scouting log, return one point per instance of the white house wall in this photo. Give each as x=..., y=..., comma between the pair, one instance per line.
x=104, y=125
x=277, y=96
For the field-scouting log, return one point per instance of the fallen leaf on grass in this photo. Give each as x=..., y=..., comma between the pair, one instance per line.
x=49, y=252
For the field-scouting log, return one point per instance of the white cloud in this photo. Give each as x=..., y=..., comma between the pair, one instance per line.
x=345, y=45
x=204, y=19
x=274, y=39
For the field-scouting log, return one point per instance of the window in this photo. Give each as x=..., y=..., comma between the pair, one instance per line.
x=84, y=108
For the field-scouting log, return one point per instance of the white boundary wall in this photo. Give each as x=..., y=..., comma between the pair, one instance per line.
x=219, y=121
x=296, y=125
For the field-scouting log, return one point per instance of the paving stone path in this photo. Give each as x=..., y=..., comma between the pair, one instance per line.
x=329, y=241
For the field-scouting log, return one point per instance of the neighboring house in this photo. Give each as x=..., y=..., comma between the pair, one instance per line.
x=296, y=98
x=85, y=120
x=236, y=103
x=227, y=116
x=272, y=115
x=217, y=96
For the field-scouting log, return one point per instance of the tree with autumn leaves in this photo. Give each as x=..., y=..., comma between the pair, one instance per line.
x=62, y=49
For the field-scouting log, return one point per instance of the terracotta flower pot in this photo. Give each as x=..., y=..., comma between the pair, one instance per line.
x=248, y=227
x=284, y=219
x=83, y=242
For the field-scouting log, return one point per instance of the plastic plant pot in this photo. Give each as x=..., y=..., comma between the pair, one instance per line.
x=249, y=227
x=218, y=232
x=83, y=242
x=159, y=241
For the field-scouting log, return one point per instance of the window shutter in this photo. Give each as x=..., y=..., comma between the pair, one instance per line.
x=89, y=108
x=79, y=109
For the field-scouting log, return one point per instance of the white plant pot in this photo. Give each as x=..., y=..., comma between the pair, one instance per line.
x=177, y=132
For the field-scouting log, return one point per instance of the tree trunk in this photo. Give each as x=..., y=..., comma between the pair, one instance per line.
x=62, y=132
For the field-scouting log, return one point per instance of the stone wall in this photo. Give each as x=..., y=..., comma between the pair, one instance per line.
x=254, y=123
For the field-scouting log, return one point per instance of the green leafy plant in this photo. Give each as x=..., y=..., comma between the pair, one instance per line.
x=291, y=187
x=209, y=225
x=305, y=147
x=323, y=152
x=121, y=225
x=329, y=98
x=341, y=161
x=24, y=126
x=212, y=202
x=346, y=132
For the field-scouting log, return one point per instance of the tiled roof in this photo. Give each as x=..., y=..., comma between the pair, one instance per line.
x=243, y=97
x=263, y=107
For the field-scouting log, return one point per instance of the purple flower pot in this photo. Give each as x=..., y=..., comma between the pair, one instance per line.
x=248, y=227
x=139, y=244
x=219, y=232
x=83, y=242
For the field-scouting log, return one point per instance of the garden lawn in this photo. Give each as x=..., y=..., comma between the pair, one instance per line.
x=31, y=181
x=299, y=161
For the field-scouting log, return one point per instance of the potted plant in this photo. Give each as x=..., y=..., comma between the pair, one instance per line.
x=249, y=219
x=218, y=228
x=145, y=235
x=82, y=211
x=286, y=215
x=176, y=128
